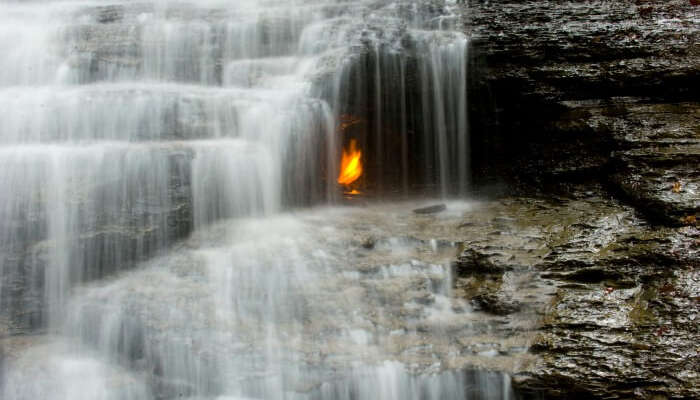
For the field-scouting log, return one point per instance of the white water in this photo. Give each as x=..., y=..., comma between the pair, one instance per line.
x=292, y=306
x=128, y=125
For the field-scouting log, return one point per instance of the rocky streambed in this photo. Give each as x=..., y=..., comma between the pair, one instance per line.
x=572, y=294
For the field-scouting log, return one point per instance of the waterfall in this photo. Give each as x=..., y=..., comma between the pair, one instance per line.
x=408, y=87
x=150, y=154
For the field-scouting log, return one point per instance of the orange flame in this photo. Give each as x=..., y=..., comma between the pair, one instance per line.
x=350, y=165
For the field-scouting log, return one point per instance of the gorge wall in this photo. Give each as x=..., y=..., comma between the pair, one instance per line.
x=592, y=88
x=597, y=99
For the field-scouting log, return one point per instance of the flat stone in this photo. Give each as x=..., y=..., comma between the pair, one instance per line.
x=431, y=209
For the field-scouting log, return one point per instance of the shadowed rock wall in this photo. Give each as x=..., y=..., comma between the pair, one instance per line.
x=597, y=93
x=581, y=89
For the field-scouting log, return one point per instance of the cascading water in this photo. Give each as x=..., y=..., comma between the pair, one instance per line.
x=408, y=88
x=128, y=127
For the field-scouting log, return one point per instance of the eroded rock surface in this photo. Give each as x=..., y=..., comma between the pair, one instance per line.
x=593, y=89
x=615, y=299
x=602, y=93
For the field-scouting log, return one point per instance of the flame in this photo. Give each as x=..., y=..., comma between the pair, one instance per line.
x=350, y=165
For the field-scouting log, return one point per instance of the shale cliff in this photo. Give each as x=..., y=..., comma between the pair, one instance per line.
x=599, y=94
x=582, y=88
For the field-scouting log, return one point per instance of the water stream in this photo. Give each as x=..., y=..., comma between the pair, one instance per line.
x=169, y=206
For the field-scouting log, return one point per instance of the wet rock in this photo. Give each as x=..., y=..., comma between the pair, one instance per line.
x=620, y=320
x=629, y=343
x=663, y=182
x=653, y=150
x=580, y=50
x=627, y=330
x=597, y=92
x=591, y=91
x=475, y=262
x=431, y=209
x=368, y=243
x=495, y=304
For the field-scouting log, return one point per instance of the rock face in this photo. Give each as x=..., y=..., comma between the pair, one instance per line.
x=600, y=93
x=592, y=88
x=622, y=324
x=615, y=300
